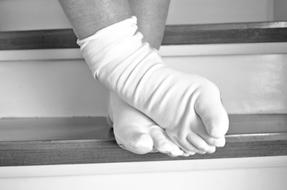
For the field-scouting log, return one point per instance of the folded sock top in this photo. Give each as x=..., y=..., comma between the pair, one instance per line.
x=116, y=41
x=127, y=27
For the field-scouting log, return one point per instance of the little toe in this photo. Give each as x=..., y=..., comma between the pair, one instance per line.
x=186, y=146
x=189, y=154
x=218, y=142
x=199, y=143
x=163, y=144
x=200, y=130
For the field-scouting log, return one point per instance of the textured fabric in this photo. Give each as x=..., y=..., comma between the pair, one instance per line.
x=121, y=61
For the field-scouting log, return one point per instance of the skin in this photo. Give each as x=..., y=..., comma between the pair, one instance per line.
x=152, y=15
x=89, y=16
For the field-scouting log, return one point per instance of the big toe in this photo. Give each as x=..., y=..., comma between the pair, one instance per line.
x=201, y=130
x=217, y=126
x=212, y=113
x=138, y=143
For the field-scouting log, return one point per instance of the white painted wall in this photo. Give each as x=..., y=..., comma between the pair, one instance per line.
x=280, y=9
x=250, y=82
x=43, y=14
x=219, y=11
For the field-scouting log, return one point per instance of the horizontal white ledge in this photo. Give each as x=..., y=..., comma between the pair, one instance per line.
x=142, y=167
x=166, y=51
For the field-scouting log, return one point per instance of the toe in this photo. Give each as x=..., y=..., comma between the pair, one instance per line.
x=130, y=127
x=217, y=125
x=211, y=111
x=217, y=142
x=200, y=130
x=199, y=143
x=187, y=147
x=137, y=143
x=142, y=143
x=163, y=144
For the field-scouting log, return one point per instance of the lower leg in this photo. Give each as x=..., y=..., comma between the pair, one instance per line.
x=152, y=15
x=89, y=16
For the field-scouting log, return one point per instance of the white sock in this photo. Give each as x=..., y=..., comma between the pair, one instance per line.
x=133, y=70
x=136, y=132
